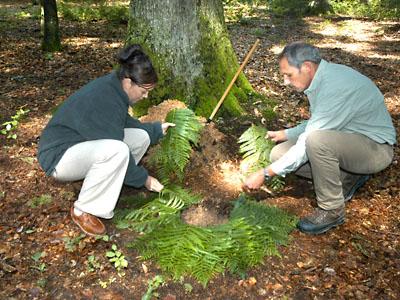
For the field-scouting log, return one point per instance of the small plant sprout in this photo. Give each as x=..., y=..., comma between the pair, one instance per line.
x=117, y=258
x=93, y=263
x=153, y=285
x=105, y=284
x=104, y=238
x=188, y=288
x=36, y=258
x=41, y=200
x=9, y=127
x=71, y=243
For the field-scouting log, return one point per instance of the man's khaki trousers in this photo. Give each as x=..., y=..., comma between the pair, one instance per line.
x=336, y=160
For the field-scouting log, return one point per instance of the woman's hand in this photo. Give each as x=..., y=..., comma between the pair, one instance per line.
x=165, y=127
x=153, y=184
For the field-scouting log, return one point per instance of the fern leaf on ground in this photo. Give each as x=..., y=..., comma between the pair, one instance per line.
x=254, y=230
x=163, y=210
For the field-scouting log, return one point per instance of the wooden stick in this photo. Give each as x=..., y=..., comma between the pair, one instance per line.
x=234, y=79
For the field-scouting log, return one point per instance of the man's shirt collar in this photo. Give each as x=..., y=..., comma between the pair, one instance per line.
x=317, y=77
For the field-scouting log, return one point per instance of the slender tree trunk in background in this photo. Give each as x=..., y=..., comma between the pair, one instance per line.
x=49, y=26
x=190, y=47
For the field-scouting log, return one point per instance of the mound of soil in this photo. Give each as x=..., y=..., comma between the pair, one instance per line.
x=213, y=170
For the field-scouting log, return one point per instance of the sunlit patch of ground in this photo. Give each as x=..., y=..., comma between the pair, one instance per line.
x=231, y=176
x=83, y=41
x=354, y=36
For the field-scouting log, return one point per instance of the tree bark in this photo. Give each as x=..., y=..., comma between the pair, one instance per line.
x=50, y=29
x=190, y=47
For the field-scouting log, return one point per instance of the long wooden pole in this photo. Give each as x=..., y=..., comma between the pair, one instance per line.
x=234, y=79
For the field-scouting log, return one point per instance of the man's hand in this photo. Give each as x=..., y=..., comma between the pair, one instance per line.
x=153, y=184
x=276, y=136
x=255, y=180
x=165, y=127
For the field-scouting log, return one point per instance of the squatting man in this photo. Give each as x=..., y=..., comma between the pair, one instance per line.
x=348, y=137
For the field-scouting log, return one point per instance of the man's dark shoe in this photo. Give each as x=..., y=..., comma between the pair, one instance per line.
x=360, y=182
x=321, y=220
x=88, y=223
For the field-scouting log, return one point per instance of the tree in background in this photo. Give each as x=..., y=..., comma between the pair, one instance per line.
x=190, y=47
x=49, y=26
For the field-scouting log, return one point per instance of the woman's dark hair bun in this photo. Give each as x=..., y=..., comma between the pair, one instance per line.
x=129, y=53
x=136, y=65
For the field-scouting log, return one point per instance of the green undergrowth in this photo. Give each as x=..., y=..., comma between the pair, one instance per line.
x=242, y=10
x=94, y=10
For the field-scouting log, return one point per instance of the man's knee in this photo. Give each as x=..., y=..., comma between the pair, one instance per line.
x=316, y=140
x=279, y=150
x=275, y=154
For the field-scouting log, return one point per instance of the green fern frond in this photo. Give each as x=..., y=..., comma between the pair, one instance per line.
x=272, y=220
x=181, y=250
x=256, y=150
x=254, y=230
x=276, y=183
x=161, y=211
x=255, y=147
x=175, y=148
x=178, y=194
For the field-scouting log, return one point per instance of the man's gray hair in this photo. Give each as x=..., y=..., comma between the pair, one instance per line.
x=298, y=52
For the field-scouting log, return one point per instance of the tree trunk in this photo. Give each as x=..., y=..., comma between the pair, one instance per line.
x=49, y=24
x=189, y=45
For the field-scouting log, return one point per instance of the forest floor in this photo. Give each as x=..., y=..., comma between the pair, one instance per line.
x=43, y=254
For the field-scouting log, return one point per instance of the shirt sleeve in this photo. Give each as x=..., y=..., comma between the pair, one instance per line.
x=294, y=133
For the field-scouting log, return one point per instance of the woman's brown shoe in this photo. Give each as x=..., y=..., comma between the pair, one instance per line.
x=89, y=224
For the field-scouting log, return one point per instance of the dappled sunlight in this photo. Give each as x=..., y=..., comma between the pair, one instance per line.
x=231, y=176
x=276, y=49
x=33, y=126
x=78, y=41
x=353, y=36
x=350, y=28
x=92, y=42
